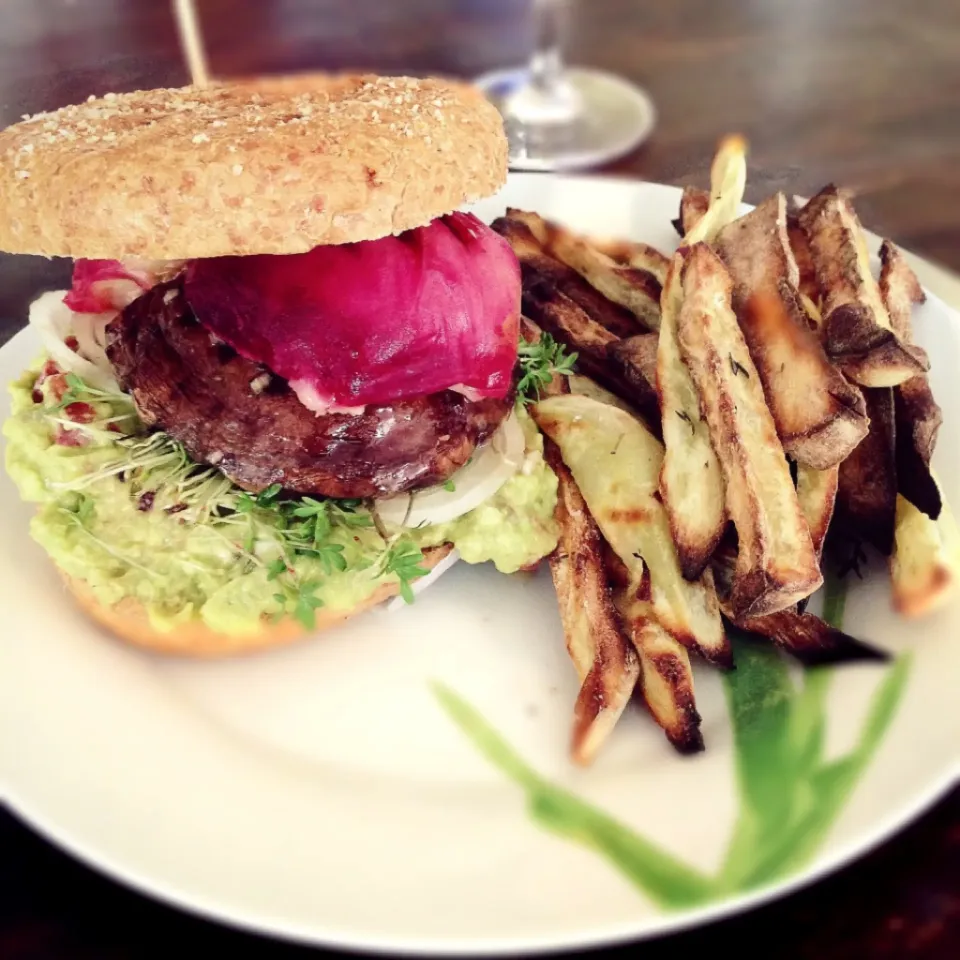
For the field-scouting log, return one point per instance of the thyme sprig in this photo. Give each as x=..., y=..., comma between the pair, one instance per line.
x=539, y=363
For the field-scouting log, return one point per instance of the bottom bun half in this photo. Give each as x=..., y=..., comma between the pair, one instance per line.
x=129, y=621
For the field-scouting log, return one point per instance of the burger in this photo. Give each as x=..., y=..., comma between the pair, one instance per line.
x=283, y=387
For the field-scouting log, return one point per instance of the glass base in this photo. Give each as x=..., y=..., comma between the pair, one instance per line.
x=612, y=117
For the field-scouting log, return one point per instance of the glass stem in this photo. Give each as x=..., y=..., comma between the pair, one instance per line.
x=546, y=64
x=547, y=99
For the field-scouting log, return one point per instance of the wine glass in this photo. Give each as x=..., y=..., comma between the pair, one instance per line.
x=562, y=118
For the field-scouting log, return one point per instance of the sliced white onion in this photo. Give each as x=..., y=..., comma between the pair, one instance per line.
x=491, y=467
x=54, y=321
x=418, y=586
x=90, y=329
x=119, y=292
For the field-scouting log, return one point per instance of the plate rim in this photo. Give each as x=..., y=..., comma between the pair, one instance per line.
x=661, y=925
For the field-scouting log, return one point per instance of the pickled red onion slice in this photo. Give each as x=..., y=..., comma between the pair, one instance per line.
x=372, y=322
x=102, y=285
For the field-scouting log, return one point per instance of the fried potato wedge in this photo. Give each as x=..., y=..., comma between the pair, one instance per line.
x=568, y=323
x=616, y=463
x=925, y=565
x=807, y=283
x=603, y=657
x=728, y=179
x=634, y=253
x=819, y=416
x=856, y=326
x=900, y=289
x=807, y=638
x=693, y=205
x=634, y=289
x=918, y=419
x=585, y=387
x=635, y=360
x=817, y=493
x=918, y=416
x=867, y=481
x=666, y=677
x=776, y=562
x=691, y=483
x=812, y=641
x=533, y=260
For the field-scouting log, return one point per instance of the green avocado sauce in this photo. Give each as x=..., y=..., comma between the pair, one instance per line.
x=131, y=515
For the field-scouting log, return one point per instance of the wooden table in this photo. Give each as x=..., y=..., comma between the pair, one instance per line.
x=864, y=93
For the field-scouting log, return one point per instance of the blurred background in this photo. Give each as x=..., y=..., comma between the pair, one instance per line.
x=863, y=92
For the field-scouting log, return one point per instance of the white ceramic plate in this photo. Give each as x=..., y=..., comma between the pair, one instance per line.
x=322, y=793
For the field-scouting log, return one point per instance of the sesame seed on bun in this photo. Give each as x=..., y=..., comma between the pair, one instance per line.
x=272, y=166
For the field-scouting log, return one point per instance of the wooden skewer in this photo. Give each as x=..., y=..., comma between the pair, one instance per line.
x=191, y=42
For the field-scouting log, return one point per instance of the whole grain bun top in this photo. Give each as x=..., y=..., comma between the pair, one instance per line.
x=277, y=165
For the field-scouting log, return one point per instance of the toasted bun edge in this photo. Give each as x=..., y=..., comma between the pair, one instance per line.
x=263, y=166
x=128, y=620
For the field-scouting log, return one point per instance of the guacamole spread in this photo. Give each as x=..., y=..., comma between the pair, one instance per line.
x=128, y=512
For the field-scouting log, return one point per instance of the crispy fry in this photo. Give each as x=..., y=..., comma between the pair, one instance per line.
x=807, y=282
x=819, y=416
x=693, y=205
x=635, y=360
x=856, y=326
x=634, y=253
x=811, y=640
x=605, y=660
x=900, y=289
x=586, y=387
x=918, y=420
x=634, y=289
x=566, y=322
x=691, y=483
x=804, y=636
x=616, y=462
x=817, y=493
x=776, y=562
x=925, y=565
x=867, y=488
x=918, y=416
x=666, y=678
x=728, y=179
x=535, y=262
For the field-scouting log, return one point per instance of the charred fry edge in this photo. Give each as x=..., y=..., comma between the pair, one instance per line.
x=636, y=290
x=776, y=563
x=856, y=327
x=867, y=481
x=666, y=678
x=634, y=253
x=528, y=250
x=693, y=205
x=819, y=416
x=573, y=327
x=589, y=618
x=690, y=470
x=594, y=438
x=807, y=283
x=918, y=416
x=810, y=640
